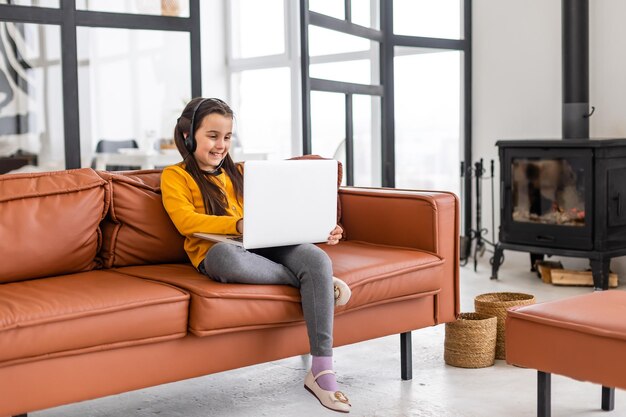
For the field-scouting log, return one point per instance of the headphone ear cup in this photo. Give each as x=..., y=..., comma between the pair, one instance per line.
x=190, y=140
x=190, y=144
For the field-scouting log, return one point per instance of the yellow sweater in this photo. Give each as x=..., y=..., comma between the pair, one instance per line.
x=183, y=202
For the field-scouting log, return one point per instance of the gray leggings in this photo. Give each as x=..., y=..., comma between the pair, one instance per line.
x=305, y=266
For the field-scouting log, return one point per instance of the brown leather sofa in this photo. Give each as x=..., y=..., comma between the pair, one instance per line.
x=97, y=296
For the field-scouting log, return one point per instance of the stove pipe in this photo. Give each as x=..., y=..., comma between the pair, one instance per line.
x=575, y=44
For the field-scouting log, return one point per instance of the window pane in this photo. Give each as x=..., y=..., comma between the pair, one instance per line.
x=328, y=126
x=359, y=71
x=151, y=7
x=366, y=137
x=325, y=42
x=133, y=93
x=428, y=117
x=52, y=45
x=257, y=28
x=429, y=18
x=262, y=105
x=54, y=4
x=31, y=99
x=334, y=8
x=363, y=15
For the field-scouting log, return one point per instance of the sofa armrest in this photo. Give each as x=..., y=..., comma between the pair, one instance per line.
x=423, y=220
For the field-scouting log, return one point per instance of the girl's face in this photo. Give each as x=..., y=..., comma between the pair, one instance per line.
x=213, y=138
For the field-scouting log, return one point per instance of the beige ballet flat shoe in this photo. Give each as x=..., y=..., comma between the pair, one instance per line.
x=333, y=400
x=342, y=292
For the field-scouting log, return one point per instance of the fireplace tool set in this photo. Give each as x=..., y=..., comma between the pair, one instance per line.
x=478, y=234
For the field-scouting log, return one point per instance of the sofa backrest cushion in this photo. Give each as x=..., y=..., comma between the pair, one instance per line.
x=49, y=223
x=137, y=229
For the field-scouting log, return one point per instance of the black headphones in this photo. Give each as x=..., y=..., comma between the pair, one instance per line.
x=190, y=140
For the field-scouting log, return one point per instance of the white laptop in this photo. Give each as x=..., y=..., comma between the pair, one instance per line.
x=286, y=203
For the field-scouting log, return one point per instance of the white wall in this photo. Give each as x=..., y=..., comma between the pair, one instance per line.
x=516, y=72
x=607, y=84
x=517, y=80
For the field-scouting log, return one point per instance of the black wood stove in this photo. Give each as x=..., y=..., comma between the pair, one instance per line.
x=563, y=197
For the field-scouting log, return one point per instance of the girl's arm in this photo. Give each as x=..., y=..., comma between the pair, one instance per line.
x=177, y=194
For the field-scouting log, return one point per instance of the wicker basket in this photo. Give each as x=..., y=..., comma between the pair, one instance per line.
x=470, y=341
x=496, y=304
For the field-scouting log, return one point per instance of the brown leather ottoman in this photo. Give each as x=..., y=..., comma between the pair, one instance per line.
x=581, y=337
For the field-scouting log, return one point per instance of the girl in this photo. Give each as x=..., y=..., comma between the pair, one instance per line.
x=204, y=193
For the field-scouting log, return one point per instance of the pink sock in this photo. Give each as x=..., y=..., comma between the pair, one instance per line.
x=327, y=382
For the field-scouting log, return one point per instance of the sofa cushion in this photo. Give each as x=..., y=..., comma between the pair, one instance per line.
x=93, y=310
x=376, y=274
x=49, y=223
x=380, y=273
x=138, y=230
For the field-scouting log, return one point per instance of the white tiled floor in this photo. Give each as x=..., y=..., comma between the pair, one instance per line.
x=369, y=373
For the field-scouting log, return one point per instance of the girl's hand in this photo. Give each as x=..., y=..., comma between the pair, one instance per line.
x=335, y=235
x=239, y=226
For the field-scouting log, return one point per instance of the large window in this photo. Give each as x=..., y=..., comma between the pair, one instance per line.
x=384, y=89
x=342, y=86
x=262, y=60
x=75, y=73
x=31, y=100
x=383, y=86
x=133, y=84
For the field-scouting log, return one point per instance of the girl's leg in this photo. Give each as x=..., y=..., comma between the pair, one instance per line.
x=233, y=264
x=313, y=268
x=306, y=267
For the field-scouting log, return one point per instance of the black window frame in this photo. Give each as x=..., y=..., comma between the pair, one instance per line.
x=385, y=89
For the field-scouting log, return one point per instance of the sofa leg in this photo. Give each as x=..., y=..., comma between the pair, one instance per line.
x=543, y=394
x=406, y=356
x=608, y=398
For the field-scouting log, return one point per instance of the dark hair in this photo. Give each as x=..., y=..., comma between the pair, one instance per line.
x=214, y=200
